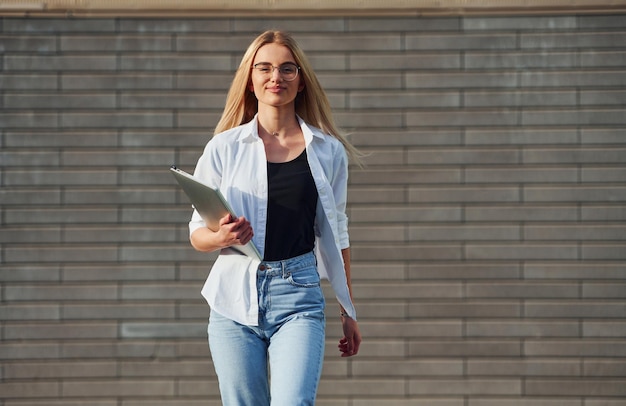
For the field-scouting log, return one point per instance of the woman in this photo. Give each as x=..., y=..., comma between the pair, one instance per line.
x=282, y=166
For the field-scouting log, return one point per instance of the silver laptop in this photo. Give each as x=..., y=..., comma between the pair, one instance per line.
x=211, y=205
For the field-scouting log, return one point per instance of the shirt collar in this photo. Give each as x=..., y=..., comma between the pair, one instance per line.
x=250, y=130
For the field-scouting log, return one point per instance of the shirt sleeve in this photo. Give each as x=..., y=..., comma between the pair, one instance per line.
x=339, y=184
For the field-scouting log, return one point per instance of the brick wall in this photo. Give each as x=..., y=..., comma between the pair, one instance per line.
x=488, y=228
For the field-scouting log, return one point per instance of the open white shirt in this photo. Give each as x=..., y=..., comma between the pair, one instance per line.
x=234, y=161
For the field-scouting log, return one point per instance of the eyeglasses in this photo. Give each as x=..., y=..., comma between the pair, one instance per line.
x=288, y=71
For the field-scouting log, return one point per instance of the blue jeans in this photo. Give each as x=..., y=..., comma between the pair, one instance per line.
x=288, y=343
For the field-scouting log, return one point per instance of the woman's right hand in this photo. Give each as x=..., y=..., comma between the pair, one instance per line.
x=232, y=231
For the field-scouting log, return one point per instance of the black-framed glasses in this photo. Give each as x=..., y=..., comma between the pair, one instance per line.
x=288, y=71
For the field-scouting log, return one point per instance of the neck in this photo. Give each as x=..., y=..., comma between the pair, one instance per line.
x=277, y=125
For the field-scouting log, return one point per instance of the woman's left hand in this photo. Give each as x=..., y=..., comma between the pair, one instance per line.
x=351, y=341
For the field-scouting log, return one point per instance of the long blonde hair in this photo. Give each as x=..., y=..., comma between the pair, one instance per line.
x=311, y=104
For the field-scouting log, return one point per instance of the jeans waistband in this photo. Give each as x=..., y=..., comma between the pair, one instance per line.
x=287, y=265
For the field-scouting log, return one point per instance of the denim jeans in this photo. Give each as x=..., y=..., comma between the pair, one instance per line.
x=278, y=362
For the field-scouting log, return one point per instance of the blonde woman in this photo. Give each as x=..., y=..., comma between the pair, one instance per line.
x=283, y=166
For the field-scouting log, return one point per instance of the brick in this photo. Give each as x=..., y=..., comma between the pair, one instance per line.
x=464, y=41
x=169, y=291
x=524, y=289
x=325, y=24
x=29, y=120
x=61, y=215
x=118, y=311
x=575, y=232
x=405, y=61
x=124, y=272
x=395, y=100
x=463, y=271
x=169, y=62
x=65, y=292
x=522, y=329
x=572, y=271
x=406, y=253
x=408, y=368
x=535, y=401
x=60, y=253
x=463, y=194
x=524, y=367
x=574, y=155
x=602, y=59
x=450, y=156
x=584, y=193
x=576, y=387
x=118, y=81
x=521, y=175
x=404, y=214
x=570, y=79
x=60, y=101
x=519, y=60
x=60, y=177
x=404, y=23
x=54, y=25
x=590, y=175
x=65, y=63
x=465, y=309
x=575, y=309
x=464, y=348
x=369, y=387
x=463, y=232
x=572, y=40
x=48, y=331
x=521, y=212
x=212, y=43
x=200, y=81
x=574, y=117
x=525, y=251
x=521, y=23
x=465, y=117
x=124, y=388
x=351, y=42
x=39, y=370
x=155, y=368
x=116, y=119
x=365, y=138
x=603, y=213
x=27, y=81
x=391, y=177
x=162, y=330
x=465, y=386
x=599, y=329
x=174, y=25
x=409, y=290
x=10, y=44
x=535, y=98
x=615, y=368
x=360, y=81
x=172, y=100
x=29, y=312
x=32, y=235
x=604, y=290
x=119, y=43
x=521, y=136
x=606, y=251
x=29, y=389
x=59, y=139
x=460, y=80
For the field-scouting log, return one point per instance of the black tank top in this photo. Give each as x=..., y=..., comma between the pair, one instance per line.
x=291, y=206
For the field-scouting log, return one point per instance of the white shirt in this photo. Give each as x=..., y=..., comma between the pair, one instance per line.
x=234, y=162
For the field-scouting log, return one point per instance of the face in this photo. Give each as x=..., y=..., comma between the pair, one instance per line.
x=270, y=87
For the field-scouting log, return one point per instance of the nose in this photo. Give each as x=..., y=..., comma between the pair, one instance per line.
x=276, y=74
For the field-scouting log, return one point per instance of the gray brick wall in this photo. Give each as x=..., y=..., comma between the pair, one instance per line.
x=488, y=228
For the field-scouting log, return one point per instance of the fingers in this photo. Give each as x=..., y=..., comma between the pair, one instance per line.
x=235, y=231
x=348, y=347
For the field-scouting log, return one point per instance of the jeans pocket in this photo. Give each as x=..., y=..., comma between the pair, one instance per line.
x=308, y=278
